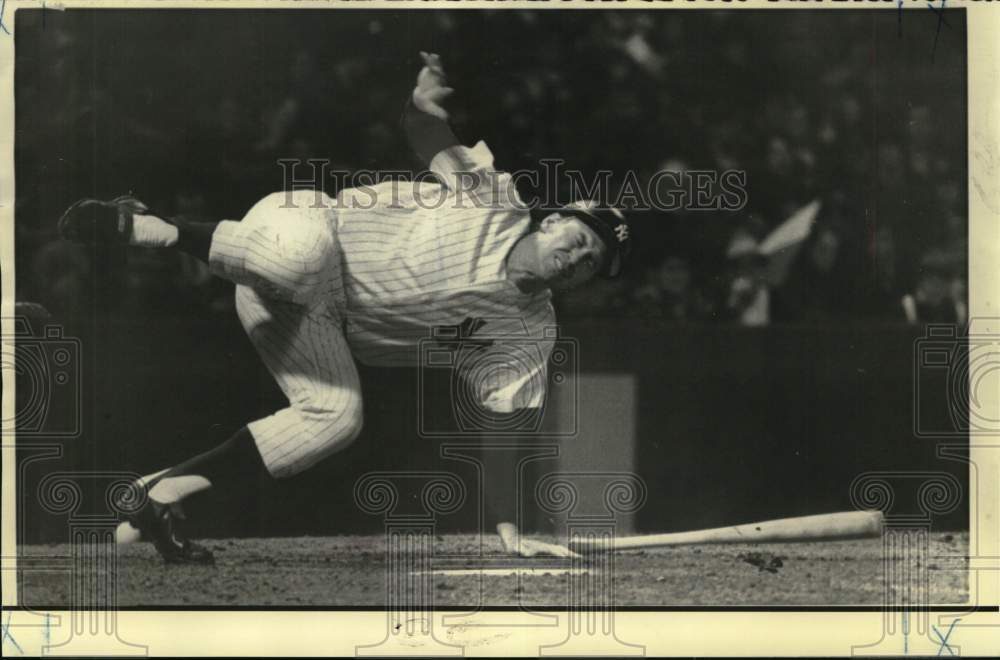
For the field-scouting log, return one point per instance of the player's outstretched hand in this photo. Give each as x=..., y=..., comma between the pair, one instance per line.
x=515, y=544
x=431, y=89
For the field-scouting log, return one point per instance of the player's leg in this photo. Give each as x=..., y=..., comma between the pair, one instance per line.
x=282, y=247
x=285, y=259
x=306, y=352
x=322, y=419
x=304, y=348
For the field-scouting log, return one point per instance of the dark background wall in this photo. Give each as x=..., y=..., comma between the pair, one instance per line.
x=723, y=424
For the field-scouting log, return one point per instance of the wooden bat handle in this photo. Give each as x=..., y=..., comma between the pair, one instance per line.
x=823, y=527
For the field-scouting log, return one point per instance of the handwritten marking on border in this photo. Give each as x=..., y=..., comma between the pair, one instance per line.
x=944, y=639
x=5, y=627
x=3, y=26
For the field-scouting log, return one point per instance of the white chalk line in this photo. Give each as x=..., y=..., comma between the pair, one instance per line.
x=530, y=572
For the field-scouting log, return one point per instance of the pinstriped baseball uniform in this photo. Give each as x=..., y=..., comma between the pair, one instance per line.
x=368, y=277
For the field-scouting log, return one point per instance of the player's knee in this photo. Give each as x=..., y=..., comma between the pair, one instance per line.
x=338, y=428
x=326, y=433
x=291, y=250
x=309, y=256
x=299, y=262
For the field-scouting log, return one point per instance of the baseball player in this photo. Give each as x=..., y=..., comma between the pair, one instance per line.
x=321, y=283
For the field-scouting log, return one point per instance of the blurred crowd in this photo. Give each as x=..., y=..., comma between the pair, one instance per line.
x=846, y=109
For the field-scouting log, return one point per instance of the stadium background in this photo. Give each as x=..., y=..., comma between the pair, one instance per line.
x=191, y=110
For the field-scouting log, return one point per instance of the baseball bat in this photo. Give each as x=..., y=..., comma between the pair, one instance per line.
x=823, y=527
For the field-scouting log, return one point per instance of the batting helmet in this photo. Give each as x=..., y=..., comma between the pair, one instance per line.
x=613, y=228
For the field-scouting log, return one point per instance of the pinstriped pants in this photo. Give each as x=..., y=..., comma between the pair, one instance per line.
x=285, y=260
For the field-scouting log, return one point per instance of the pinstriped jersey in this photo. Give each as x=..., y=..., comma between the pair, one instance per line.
x=425, y=269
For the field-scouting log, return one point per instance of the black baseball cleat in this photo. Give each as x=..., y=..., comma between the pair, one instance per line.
x=92, y=221
x=158, y=524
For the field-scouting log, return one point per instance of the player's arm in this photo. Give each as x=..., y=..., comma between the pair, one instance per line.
x=464, y=170
x=506, y=395
x=425, y=120
x=500, y=476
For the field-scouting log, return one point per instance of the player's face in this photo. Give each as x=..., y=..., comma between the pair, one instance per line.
x=569, y=252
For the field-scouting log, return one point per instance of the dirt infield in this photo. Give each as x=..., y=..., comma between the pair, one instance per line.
x=349, y=571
